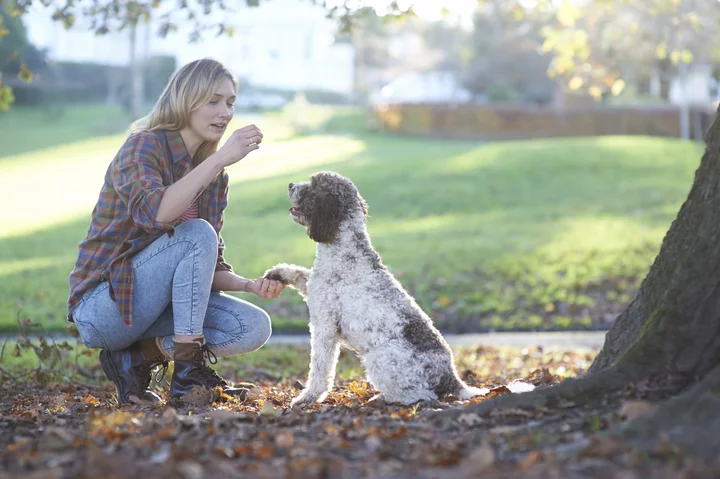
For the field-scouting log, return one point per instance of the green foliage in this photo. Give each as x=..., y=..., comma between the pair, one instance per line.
x=7, y=97
x=18, y=58
x=594, y=47
x=505, y=64
x=38, y=355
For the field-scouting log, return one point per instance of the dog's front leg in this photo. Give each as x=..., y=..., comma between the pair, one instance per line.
x=325, y=349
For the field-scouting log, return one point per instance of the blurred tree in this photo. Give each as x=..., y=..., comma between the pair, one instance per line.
x=506, y=62
x=593, y=45
x=121, y=15
x=18, y=57
x=367, y=33
x=597, y=47
x=115, y=15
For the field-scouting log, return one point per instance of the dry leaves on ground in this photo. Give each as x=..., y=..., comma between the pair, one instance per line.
x=64, y=430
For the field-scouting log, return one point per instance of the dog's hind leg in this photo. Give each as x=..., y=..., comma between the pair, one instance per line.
x=290, y=275
x=325, y=349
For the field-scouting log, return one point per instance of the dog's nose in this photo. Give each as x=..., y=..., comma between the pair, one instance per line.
x=290, y=186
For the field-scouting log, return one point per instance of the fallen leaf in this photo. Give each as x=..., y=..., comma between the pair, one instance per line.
x=190, y=470
x=480, y=459
x=54, y=439
x=269, y=409
x=605, y=447
x=633, y=409
x=284, y=439
x=498, y=391
x=529, y=460
x=469, y=419
x=224, y=415
x=263, y=452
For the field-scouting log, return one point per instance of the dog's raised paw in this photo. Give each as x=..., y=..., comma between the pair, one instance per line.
x=278, y=273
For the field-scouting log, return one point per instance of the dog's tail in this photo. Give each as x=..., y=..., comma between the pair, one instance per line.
x=467, y=392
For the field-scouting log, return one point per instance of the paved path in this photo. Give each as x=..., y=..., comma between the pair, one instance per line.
x=570, y=339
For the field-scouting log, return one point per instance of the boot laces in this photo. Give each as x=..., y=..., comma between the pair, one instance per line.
x=206, y=373
x=143, y=373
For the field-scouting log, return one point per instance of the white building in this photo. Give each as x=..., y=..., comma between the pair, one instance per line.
x=286, y=44
x=696, y=88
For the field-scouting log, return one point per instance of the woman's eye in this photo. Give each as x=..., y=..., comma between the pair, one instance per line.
x=231, y=105
x=213, y=102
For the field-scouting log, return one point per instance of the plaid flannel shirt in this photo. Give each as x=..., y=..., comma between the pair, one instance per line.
x=123, y=220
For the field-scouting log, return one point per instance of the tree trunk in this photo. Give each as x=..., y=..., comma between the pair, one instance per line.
x=671, y=329
x=685, y=105
x=673, y=323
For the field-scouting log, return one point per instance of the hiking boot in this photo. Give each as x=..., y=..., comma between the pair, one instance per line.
x=130, y=370
x=191, y=370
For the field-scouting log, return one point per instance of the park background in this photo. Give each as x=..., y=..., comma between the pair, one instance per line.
x=510, y=188
x=522, y=161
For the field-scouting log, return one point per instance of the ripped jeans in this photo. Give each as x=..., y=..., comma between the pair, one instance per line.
x=171, y=295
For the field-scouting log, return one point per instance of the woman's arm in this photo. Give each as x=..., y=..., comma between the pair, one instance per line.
x=181, y=194
x=229, y=281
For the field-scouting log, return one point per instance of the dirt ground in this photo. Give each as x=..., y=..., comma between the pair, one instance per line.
x=74, y=429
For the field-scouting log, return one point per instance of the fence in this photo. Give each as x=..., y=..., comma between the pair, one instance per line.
x=500, y=122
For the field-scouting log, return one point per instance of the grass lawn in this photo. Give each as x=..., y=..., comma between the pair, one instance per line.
x=543, y=234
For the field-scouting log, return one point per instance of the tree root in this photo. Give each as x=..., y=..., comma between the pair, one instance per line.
x=690, y=420
x=569, y=393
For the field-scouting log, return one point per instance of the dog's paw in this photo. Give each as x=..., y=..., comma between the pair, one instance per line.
x=304, y=400
x=281, y=272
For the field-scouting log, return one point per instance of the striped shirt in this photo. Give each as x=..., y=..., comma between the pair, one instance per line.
x=123, y=220
x=191, y=213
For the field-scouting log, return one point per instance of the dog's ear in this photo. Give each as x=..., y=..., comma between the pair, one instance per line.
x=325, y=218
x=363, y=205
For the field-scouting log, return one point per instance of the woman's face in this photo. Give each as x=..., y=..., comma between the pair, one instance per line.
x=210, y=121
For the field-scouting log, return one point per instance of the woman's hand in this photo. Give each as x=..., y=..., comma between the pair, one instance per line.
x=265, y=288
x=241, y=142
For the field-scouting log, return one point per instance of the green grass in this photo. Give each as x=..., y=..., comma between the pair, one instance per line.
x=279, y=361
x=26, y=129
x=543, y=234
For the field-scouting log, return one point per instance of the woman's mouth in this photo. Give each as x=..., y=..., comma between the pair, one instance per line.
x=218, y=126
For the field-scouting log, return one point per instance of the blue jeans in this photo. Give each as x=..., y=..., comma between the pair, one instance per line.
x=171, y=295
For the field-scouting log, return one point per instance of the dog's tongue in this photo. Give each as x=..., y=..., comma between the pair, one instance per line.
x=294, y=210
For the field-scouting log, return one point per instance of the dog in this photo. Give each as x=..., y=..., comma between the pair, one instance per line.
x=354, y=301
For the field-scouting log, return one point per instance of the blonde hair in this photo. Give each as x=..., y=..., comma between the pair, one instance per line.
x=191, y=87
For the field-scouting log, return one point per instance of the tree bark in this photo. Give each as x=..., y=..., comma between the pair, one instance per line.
x=671, y=329
x=690, y=420
x=673, y=323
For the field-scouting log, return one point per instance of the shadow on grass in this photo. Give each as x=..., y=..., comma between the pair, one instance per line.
x=462, y=226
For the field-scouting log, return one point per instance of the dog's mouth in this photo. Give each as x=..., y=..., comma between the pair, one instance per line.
x=298, y=216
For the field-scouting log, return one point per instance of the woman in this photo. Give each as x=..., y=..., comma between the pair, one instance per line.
x=146, y=287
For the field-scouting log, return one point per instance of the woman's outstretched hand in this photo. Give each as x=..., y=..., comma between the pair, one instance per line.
x=241, y=142
x=265, y=288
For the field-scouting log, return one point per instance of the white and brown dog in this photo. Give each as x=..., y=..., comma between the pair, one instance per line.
x=355, y=301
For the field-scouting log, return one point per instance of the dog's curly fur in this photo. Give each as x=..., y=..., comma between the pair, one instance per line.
x=355, y=301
